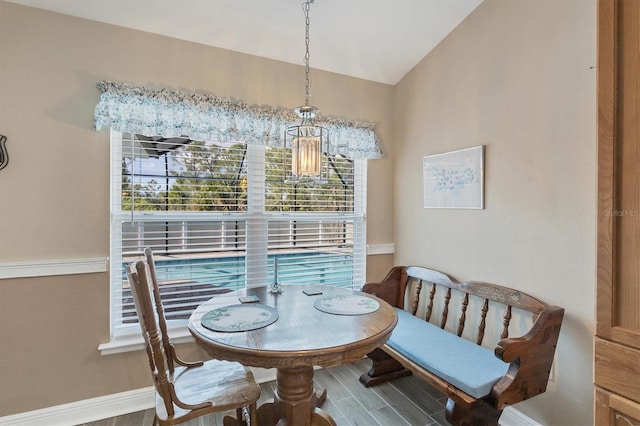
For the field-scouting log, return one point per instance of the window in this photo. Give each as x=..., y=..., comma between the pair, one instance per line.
x=220, y=216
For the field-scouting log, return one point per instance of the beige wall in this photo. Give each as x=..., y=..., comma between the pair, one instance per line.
x=55, y=192
x=516, y=76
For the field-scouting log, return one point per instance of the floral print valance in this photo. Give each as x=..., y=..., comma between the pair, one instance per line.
x=170, y=113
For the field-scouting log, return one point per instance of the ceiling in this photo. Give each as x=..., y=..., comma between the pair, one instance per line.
x=378, y=40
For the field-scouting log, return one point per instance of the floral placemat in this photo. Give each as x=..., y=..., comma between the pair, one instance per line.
x=243, y=317
x=346, y=305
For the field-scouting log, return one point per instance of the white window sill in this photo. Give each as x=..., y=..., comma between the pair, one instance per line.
x=135, y=342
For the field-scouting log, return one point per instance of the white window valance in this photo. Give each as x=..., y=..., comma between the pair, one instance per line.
x=160, y=111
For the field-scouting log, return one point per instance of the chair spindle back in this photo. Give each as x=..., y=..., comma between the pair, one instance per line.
x=149, y=323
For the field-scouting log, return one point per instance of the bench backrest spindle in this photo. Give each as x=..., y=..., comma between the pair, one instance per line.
x=505, y=323
x=445, y=309
x=483, y=321
x=432, y=295
x=463, y=314
x=416, y=299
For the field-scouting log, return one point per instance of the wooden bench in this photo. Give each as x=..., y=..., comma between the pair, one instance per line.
x=478, y=381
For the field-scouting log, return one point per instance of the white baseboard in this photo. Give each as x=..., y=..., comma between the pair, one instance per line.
x=88, y=410
x=512, y=417
x=94, y=409
x=91, y=410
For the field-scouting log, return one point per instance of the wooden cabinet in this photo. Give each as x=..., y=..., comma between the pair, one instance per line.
x=612, y=409
x=617, y=341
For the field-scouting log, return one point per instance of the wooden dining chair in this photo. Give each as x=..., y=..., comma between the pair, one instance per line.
x=186, y=390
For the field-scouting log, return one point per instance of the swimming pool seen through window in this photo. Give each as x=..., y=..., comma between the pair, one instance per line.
x=219, y=216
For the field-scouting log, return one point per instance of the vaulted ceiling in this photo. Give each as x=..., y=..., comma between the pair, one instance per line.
x=378, y=40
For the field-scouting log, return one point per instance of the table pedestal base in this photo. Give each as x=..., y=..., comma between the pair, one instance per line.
x=295, y=403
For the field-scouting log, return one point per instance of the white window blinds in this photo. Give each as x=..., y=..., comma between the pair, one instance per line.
x=220, y=217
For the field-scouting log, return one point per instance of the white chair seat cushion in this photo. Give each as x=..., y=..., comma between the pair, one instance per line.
x=225, y=384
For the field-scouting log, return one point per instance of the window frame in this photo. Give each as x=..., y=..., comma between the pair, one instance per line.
x=128, y=337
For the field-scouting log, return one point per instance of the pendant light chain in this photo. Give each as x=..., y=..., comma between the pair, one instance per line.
x=307, y=95
x=308, y=142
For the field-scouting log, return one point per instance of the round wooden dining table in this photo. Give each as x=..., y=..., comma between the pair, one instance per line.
x=305, y=334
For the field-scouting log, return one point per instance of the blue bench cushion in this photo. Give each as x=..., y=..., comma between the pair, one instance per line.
x=467, y=366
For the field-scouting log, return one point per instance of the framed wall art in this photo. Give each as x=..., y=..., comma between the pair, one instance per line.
x=454, y=180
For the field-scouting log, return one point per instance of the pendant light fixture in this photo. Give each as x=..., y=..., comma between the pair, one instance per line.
x=308, y=142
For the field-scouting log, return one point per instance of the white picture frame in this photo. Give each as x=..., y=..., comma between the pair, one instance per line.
x=454, y=180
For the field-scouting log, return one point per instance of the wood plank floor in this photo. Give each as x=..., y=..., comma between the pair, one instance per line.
x=405, y=401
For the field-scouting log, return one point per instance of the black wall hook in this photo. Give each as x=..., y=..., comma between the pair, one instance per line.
x=4, y=155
